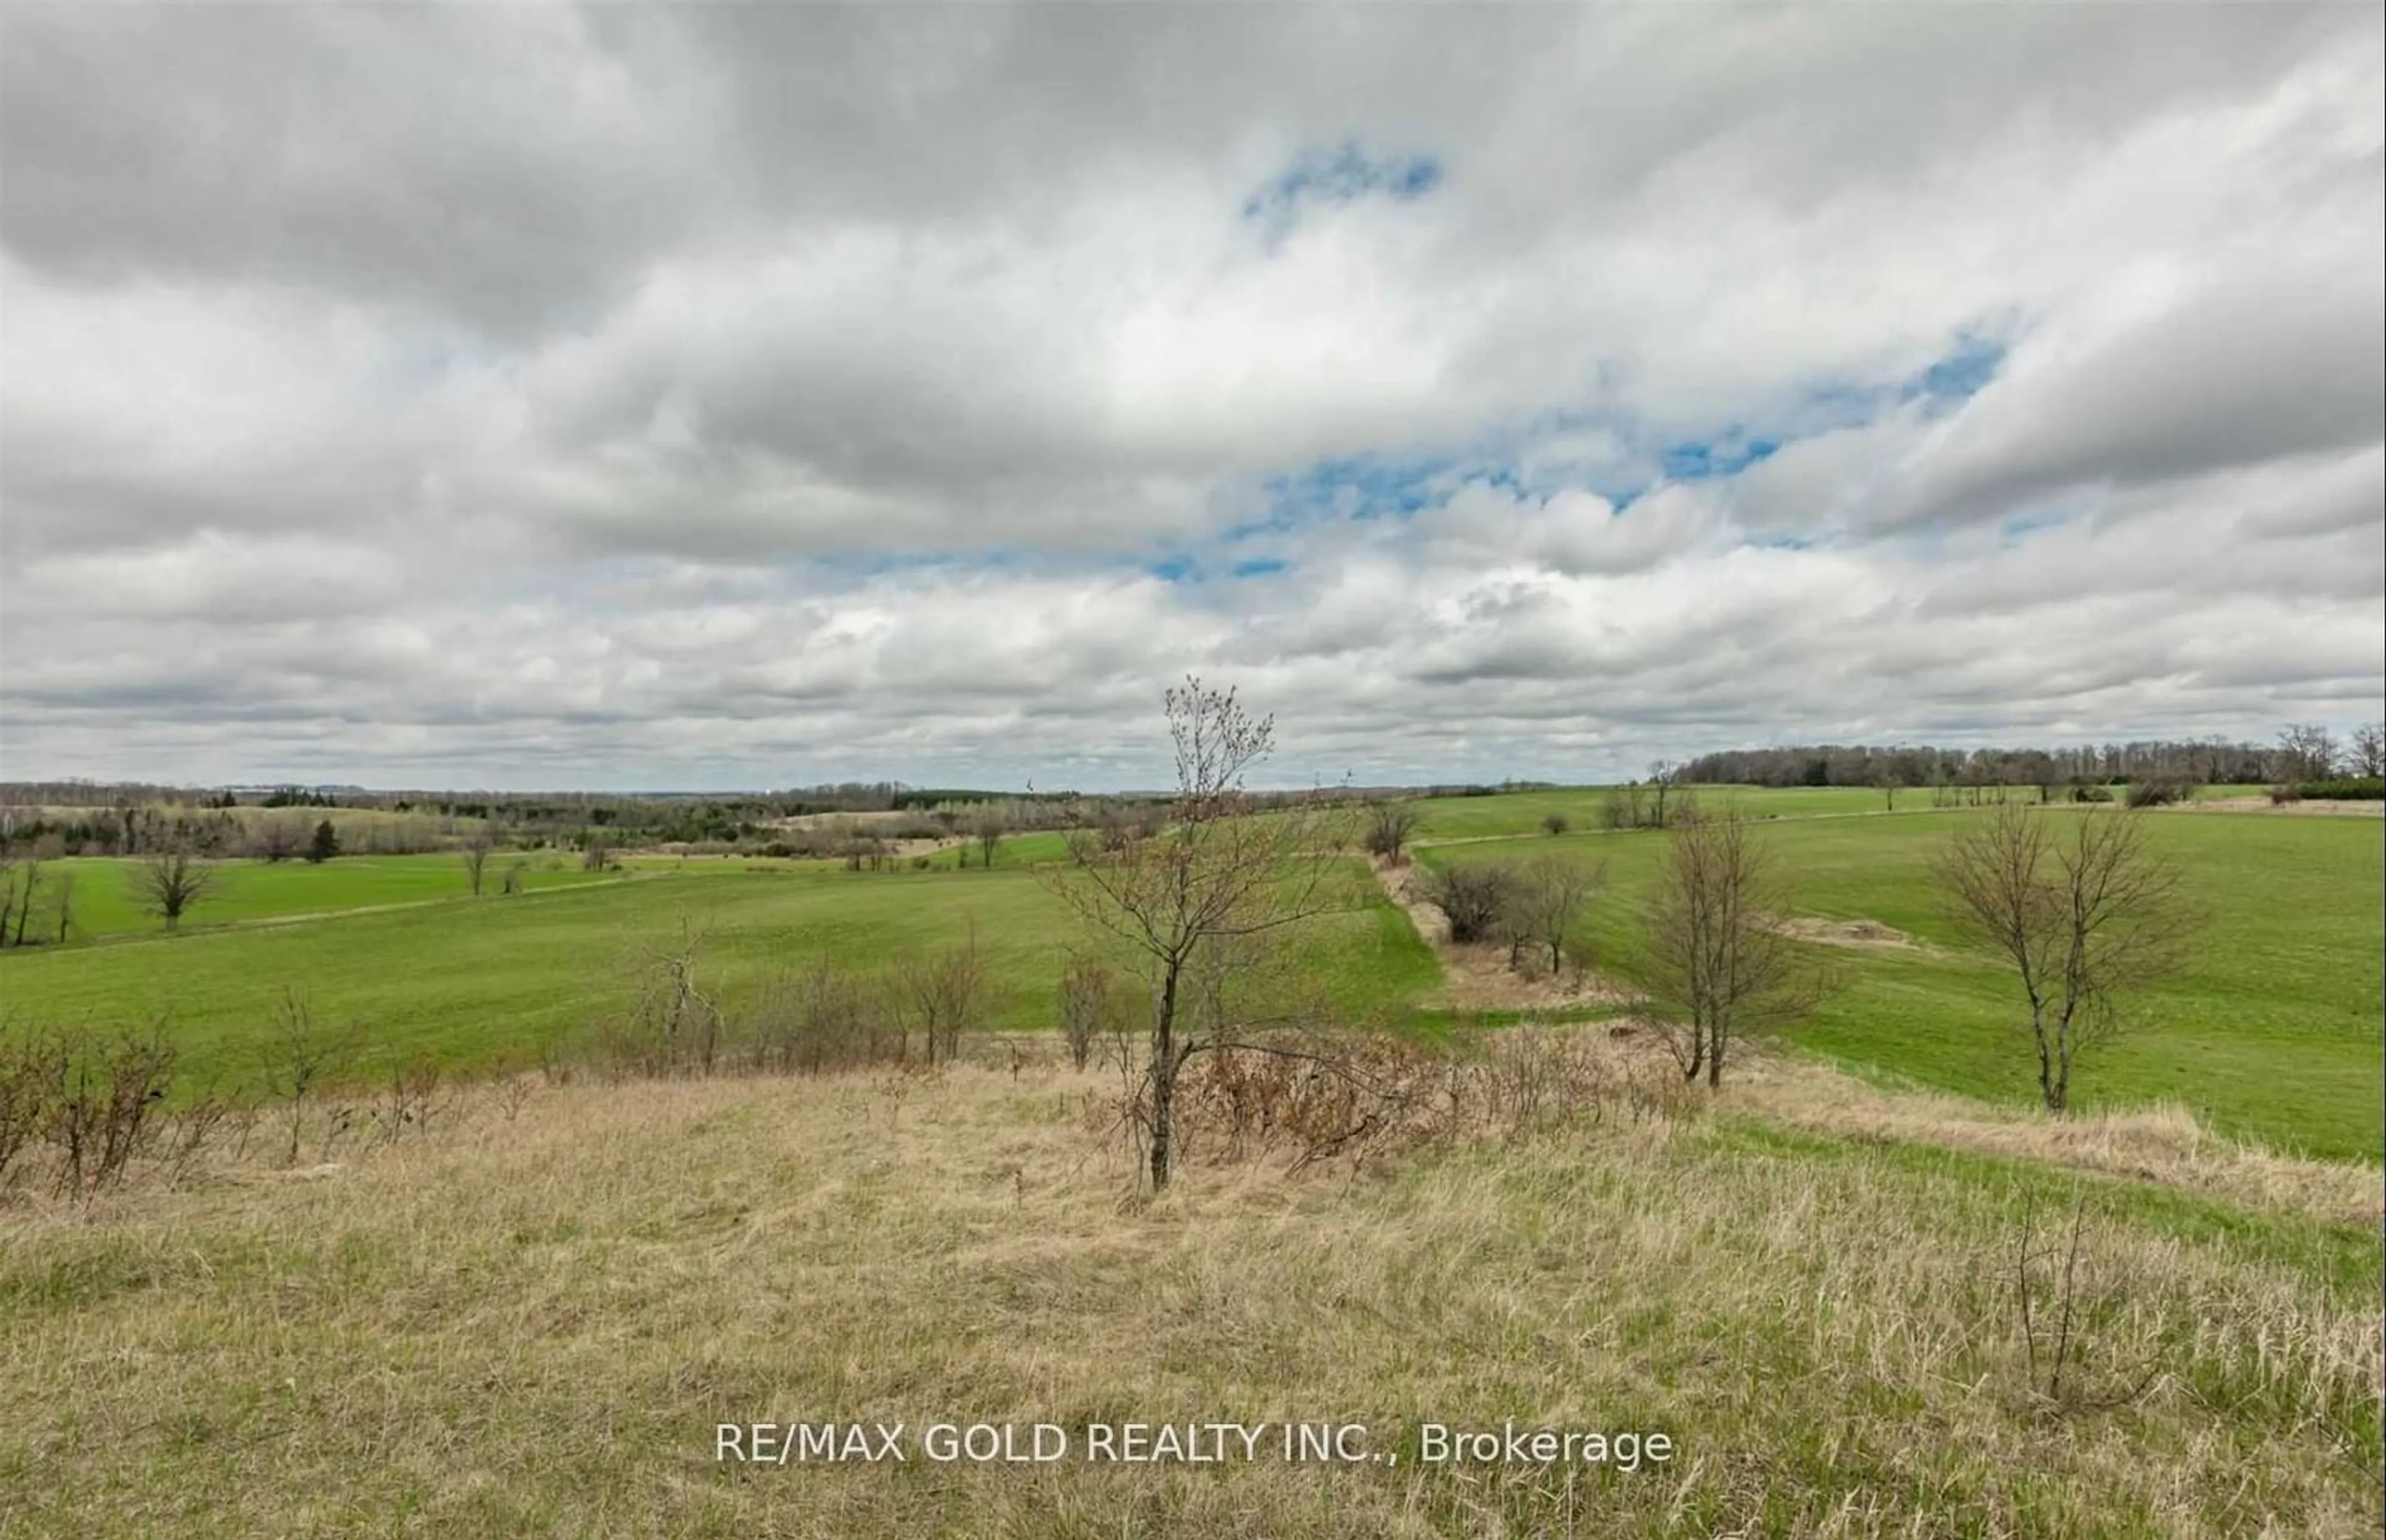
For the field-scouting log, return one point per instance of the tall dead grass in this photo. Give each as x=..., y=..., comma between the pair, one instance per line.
x=530, y=1321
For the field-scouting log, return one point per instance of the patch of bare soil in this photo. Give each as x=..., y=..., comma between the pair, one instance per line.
x=1478, y=977
x=2264, y=804
x=1867, y=933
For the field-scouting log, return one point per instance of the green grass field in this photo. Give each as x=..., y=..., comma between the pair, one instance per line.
x=1470, y=818
x=473, y=982
x=2272, y=1031
x=108, y=904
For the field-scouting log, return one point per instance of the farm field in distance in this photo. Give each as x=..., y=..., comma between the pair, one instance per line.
x=2271, y=1035
x=284, y=1333
x=480, y=983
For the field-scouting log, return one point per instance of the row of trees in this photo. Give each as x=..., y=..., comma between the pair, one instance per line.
x=2302, y=752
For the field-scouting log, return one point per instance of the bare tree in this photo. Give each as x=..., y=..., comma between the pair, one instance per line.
x=277, y=841
x=1386, y=833
x=1620, y=808
x=64, y=905
x=987, y=829
x=1089, y=1004
x=2369, y=750
x=171, y=880
x=477, y=847
x=2310, y=752
x=946, y=995
x=1661, y=775
x=23, y=903
x=1717, y=965
x=1550, y=896
x=1216, y=871
x=2082, y=910
x=300, y=1057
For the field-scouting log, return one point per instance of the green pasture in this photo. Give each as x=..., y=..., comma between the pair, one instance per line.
x=107, y=902
x=2272, y=1032
x=1503, y=813
x=480, y=982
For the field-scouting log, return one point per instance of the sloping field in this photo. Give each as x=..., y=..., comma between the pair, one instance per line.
x=2272, y=1032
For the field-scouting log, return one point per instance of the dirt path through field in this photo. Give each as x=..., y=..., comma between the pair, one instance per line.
x=1477, y=977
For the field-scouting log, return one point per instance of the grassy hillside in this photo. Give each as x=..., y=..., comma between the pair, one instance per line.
x=532, y=1320
x=478, y=982
x=2272, y=1032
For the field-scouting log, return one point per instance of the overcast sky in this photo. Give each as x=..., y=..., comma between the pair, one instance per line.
x=743, y=396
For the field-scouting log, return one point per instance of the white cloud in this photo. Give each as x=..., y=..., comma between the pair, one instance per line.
x=738, y=395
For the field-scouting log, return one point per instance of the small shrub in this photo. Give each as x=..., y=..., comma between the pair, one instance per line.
x=1088, y=1003
x=2158, y=790
x=1556, y=823
x=2091, y=794
x=103, y=1112
x=1387, y=829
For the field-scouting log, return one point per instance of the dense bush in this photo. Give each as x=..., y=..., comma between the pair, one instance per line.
x=1473, y=898
x=2159, y=791
x=2360, y=789
x=2091, y=794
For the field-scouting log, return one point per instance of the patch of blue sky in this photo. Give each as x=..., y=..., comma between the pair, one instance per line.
x=1340, y=175
x=1362, y=488
x=1331, y=177
x=2021, y=526
x=1727, y=456
x=1185, y=567
x=1961, y=375
x=1358, y=487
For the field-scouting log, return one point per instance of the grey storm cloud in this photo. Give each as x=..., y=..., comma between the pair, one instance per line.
x=743, y=395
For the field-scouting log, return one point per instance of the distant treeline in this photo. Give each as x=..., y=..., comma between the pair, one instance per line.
x=54, y=818
x=2301, y=753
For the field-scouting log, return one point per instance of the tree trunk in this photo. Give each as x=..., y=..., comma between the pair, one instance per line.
x=2049, y=1089
x=1163, y=1079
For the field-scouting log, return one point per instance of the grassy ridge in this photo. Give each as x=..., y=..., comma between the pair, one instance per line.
x=2272, y=1032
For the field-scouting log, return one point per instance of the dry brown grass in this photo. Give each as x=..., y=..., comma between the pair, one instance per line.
x=531, y=1322
x=2161, y=1145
